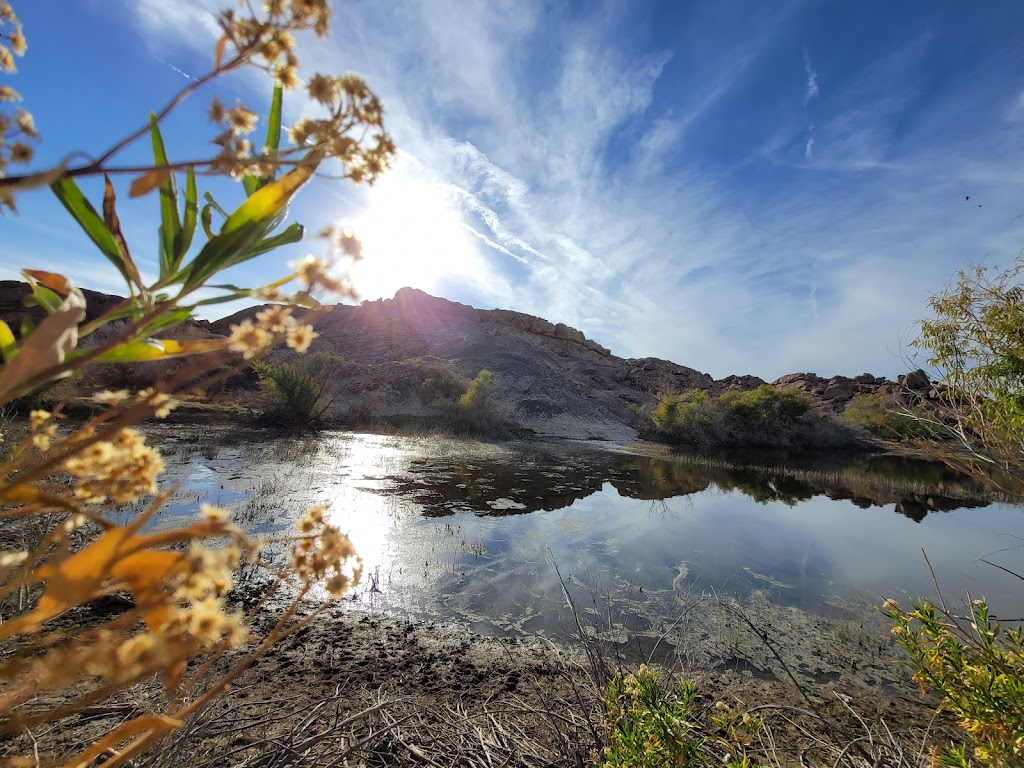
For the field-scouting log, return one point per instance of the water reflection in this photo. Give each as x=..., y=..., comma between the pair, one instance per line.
x=474, y=532
x=539, y=480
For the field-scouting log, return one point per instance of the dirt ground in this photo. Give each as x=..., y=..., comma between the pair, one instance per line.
x=355, y=688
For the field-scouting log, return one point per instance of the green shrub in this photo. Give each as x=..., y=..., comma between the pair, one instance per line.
x=301, y=391
x=479, y=393
x=682, y=411
x=886, y=416
x=442, y=384
x=649, y=725
x=765, y=405
x=977, y=669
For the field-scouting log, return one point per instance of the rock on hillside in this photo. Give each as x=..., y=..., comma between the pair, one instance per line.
x=834, y=394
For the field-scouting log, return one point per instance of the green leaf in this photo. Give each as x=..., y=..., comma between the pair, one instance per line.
x=171, y=318
x=188, y=226
x=273, y=142
x=222, y=299
x=274, y=124
x=170, y=223
x=293, y=234
x=45, y=298
x=207, y=219
x=272, y=198
x=132, y=308
x=7, y=344
x=221, y=252
x=27, y=327
x=134, y=352
x=216, y=206
x=68, y=192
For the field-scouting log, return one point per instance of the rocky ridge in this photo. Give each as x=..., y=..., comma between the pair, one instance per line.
x=553, y=379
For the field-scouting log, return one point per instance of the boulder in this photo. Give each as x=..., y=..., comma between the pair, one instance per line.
x=563, y=331
x=839, y=388
x=916, y=380
x=741, y=383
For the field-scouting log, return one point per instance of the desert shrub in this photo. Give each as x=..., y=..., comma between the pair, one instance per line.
x=479, y=393
x=443, y=385
x=301, y=391
x=977, y=668
x=652, y=725
x=68, y=481
x=756, y=419
x=765, y=406
x=885, y=416
x=684, y=411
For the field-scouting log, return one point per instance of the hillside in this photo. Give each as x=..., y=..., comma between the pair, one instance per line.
x=554, y=381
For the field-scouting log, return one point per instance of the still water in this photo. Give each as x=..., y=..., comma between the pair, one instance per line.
x=475, y=531
x=502, y=537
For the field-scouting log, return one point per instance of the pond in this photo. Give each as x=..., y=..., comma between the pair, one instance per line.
x=654, y=552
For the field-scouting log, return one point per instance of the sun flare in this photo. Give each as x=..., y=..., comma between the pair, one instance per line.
x=412, y=235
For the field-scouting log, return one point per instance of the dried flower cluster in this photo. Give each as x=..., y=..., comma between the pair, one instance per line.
x=350, y=104
x=178, y=597
x=251, y=339
x=17, y=128
x=325, y=554
x=267, y=40
x=42, y=428
x=269, y=36
x=122, y=469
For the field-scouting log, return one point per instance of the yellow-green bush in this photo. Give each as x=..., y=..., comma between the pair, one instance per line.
x=682, y=411
x=765, y=405
x=885, y=416
x=976, y=667
x=762, y=417
x=649, y=724
x=479, y=393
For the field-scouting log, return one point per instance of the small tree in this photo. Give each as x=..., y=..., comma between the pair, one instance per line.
x=975, y=344
x=479, y=393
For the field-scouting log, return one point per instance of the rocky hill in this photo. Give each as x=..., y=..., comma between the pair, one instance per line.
x=553, y=380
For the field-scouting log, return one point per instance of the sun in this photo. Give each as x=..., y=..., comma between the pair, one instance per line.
x=412, y=235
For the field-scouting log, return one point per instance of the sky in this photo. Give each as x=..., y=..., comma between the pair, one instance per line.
x=738, y=186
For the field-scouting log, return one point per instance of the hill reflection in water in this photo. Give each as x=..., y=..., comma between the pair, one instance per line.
x=541, y=480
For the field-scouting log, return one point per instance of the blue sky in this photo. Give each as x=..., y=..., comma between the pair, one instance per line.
x=741, y=187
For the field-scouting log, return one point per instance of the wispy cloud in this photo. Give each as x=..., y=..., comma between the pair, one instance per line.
x=666, y=203
x=812, y=91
